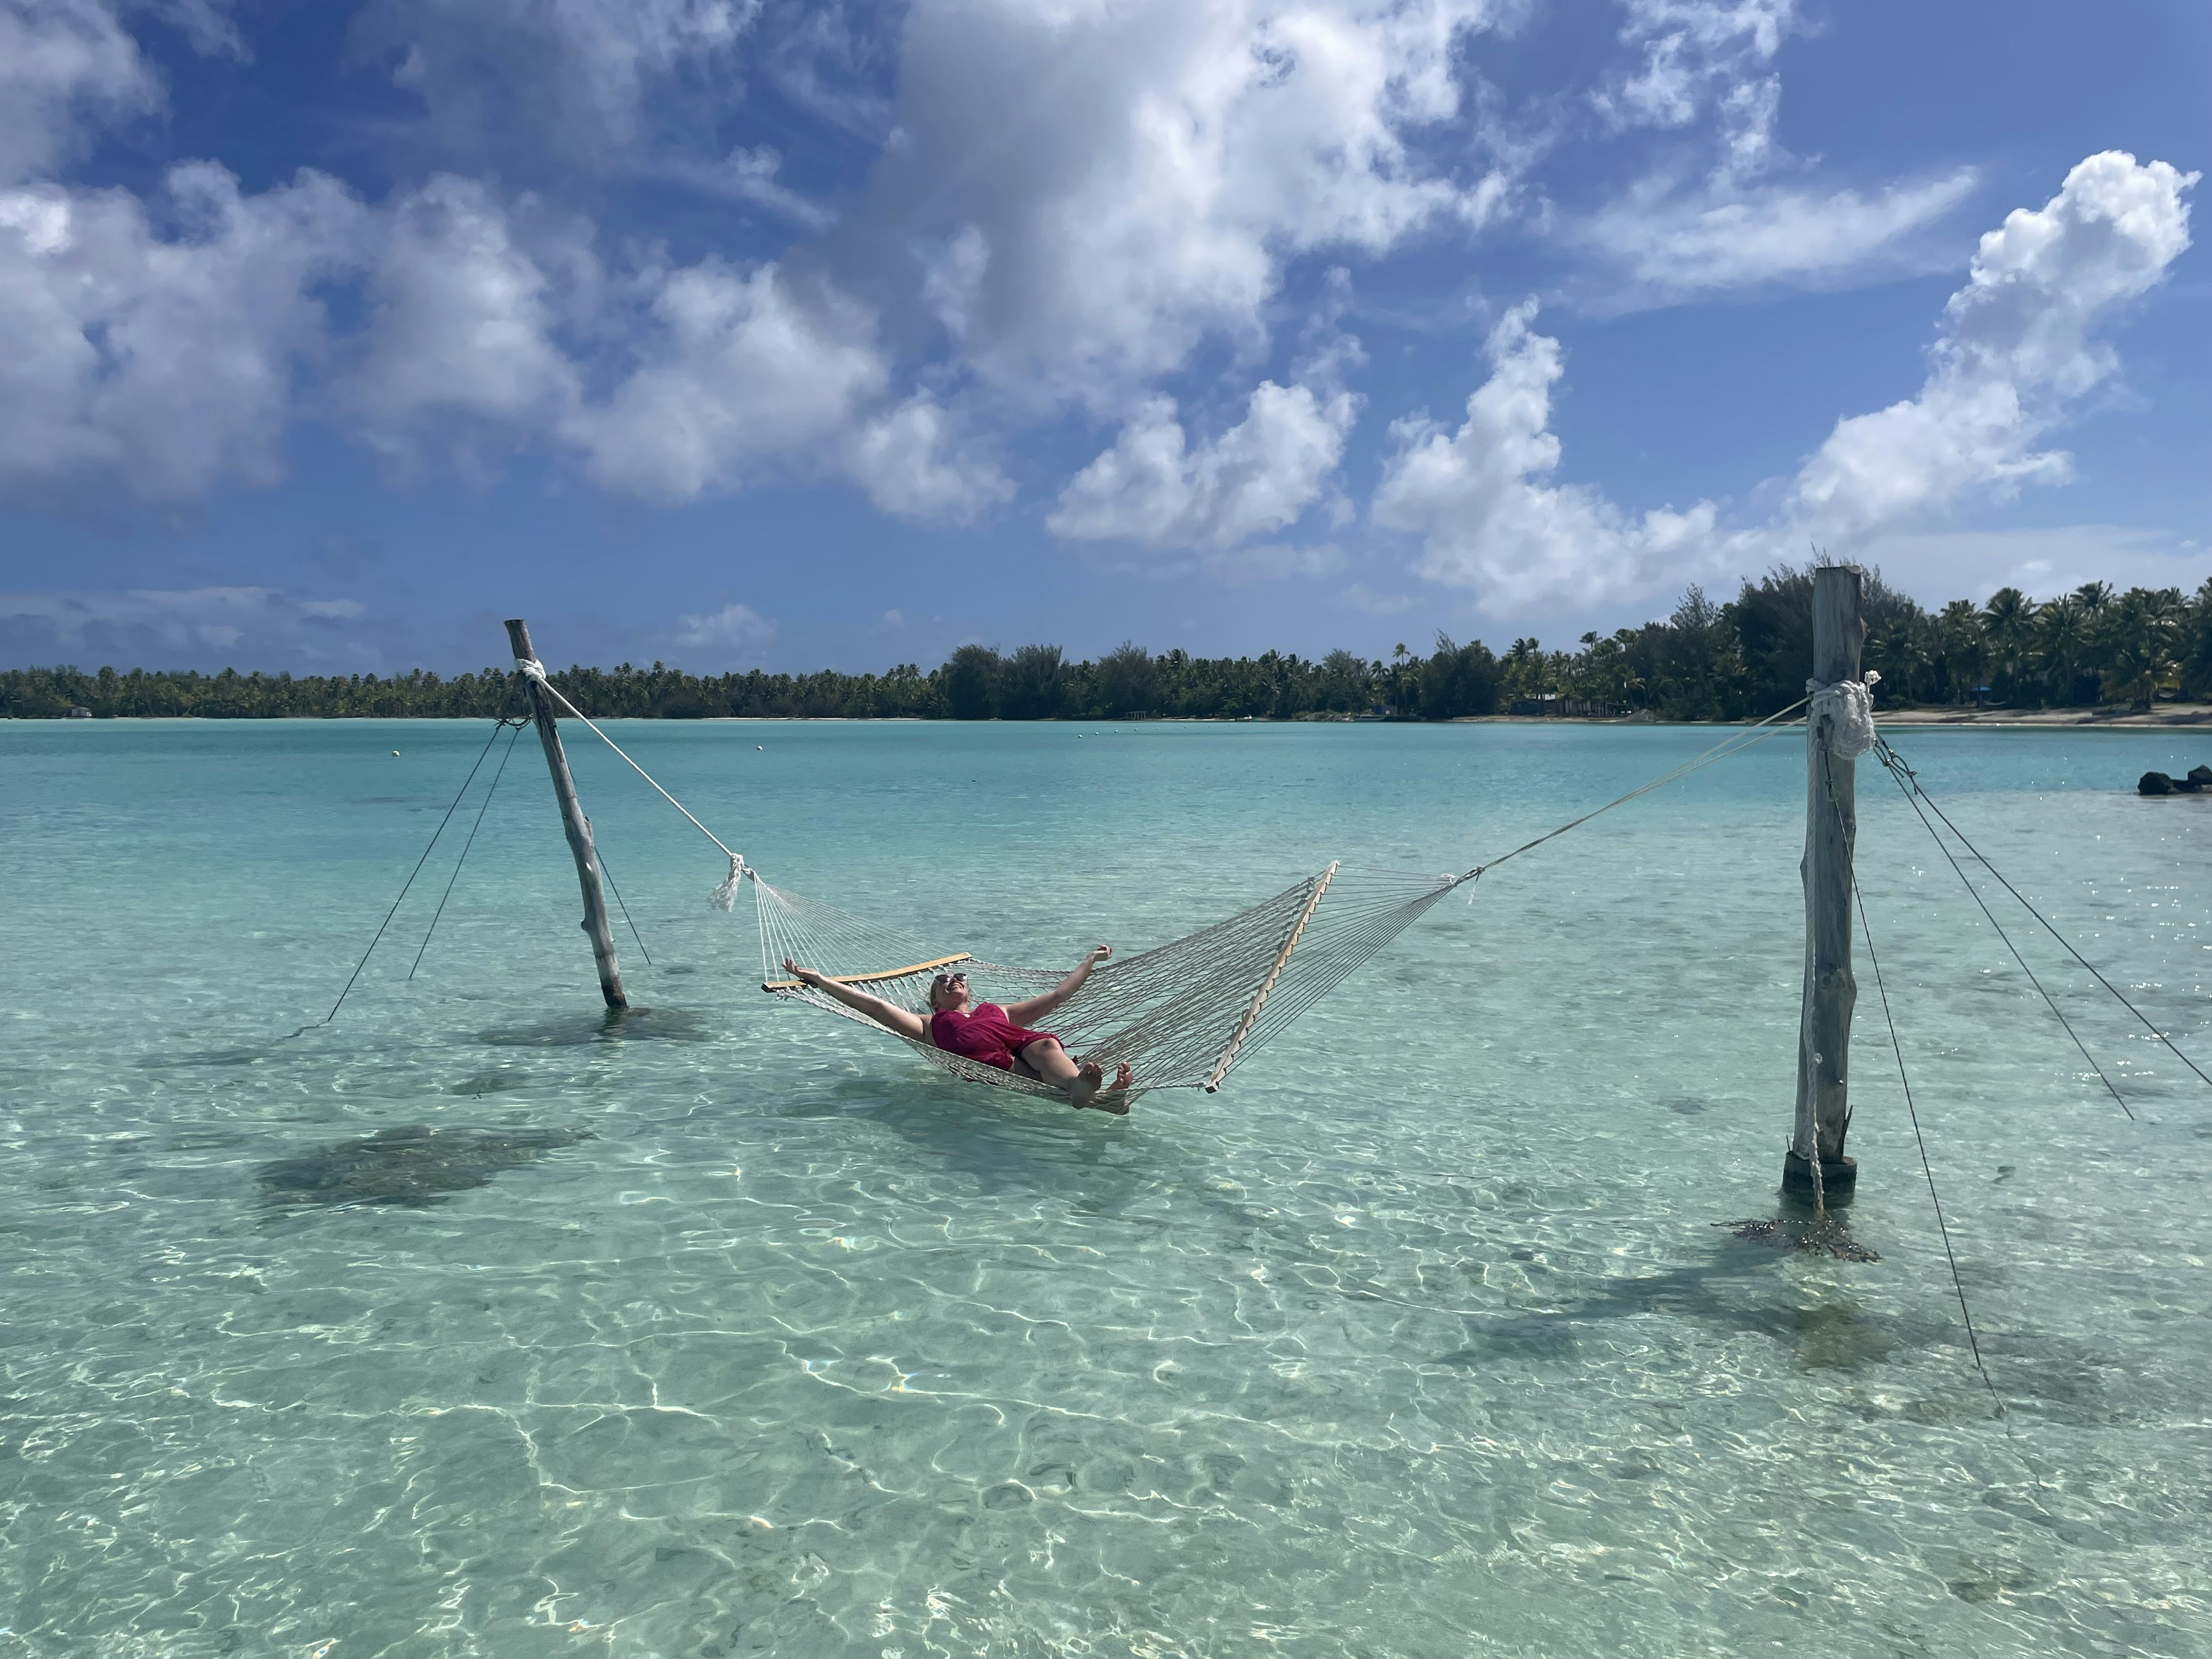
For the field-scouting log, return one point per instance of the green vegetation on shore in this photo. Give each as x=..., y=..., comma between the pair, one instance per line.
x=1743, y=658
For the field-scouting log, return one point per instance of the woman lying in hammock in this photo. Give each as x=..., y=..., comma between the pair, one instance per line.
x=991, y=1034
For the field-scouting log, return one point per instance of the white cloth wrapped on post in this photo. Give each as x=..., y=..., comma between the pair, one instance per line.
x=1848, y=707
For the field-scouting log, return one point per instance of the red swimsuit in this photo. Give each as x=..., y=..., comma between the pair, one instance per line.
x=984, y=1034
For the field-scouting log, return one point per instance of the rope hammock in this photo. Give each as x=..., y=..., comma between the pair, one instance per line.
x=1182, y=1015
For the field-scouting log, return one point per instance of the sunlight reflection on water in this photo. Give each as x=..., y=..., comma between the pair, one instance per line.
x=474, y=1322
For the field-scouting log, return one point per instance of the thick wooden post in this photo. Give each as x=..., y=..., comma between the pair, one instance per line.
x=572, y=821
x=1823, y=1032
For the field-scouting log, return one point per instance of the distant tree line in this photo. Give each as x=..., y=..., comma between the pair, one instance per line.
x=1743, y=658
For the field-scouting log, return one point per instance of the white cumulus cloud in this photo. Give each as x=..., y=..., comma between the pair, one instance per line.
x=916, y=463
x=62, y=64
x=751, y=374
x=2017, y=347
x=1257, y=477
x=165, y=361
x=1482, y=499
x=463, y=319
x=741, y=367
x=1096, y=188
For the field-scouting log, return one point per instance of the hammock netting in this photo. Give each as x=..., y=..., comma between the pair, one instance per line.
x=1181, y=1015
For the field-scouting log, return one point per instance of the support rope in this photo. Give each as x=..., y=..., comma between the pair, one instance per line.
x=507, y=755
x=1914, y=778
x=503, y=724
x=1958, y=1283
x=1974, y=893
x=1734, y=744
x=625, y=908
x=536, y=670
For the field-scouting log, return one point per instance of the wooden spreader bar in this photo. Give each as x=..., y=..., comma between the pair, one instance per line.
x=868, y=979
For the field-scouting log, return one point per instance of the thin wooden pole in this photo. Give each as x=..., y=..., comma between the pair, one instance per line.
x=1824, y=1030
x=1267, y=986
x=573, y=822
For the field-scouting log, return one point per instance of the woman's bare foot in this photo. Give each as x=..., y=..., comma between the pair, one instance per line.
x=1090, y=1088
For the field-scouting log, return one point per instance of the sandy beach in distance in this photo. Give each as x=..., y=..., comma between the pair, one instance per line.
x=2173, y=713
x=2176, y=714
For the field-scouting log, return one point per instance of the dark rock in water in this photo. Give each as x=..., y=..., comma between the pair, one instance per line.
x=2153, y=783
x=2201, y=776
x=2188, y=786
x=412, y=1168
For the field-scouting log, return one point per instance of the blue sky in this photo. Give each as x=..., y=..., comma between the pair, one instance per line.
x=742, y=332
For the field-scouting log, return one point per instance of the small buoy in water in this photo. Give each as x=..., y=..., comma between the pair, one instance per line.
x=395, y=753
x=760, y=745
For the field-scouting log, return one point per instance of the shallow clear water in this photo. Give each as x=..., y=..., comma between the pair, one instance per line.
x=728, y=1330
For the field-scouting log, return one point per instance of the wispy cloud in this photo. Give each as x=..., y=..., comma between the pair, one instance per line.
x=1668, y=242
x=1936, y=566
x=749, y=175
x=737, y=636
x=1360, y=598
x=190, y=627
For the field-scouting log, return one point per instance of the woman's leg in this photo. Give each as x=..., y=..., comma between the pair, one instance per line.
x=1046, y=1060
x=1085, y=1083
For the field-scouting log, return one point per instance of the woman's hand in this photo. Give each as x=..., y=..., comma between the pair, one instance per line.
x=1099, y=953
x=803, y=975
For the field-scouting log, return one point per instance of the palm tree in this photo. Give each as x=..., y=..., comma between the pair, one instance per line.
x=1523, y=668
x=2196, y=652
x=2142, y=631
x=2099, y=617
x=1889, y=652
x=2008, y=626
x=1958, y=641
x=2063, y=646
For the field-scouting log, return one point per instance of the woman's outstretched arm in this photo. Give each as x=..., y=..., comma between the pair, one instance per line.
x=904, y=1021
x=1021, y=1014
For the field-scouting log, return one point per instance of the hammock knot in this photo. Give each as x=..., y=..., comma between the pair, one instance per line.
x=530, y=668
x=1847, y=706
x=726, y=895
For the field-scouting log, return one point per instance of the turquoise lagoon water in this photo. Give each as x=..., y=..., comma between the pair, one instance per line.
x=728, y=1330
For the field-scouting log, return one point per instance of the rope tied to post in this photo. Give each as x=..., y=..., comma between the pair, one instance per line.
x=1847, y=708
x=724, y=896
